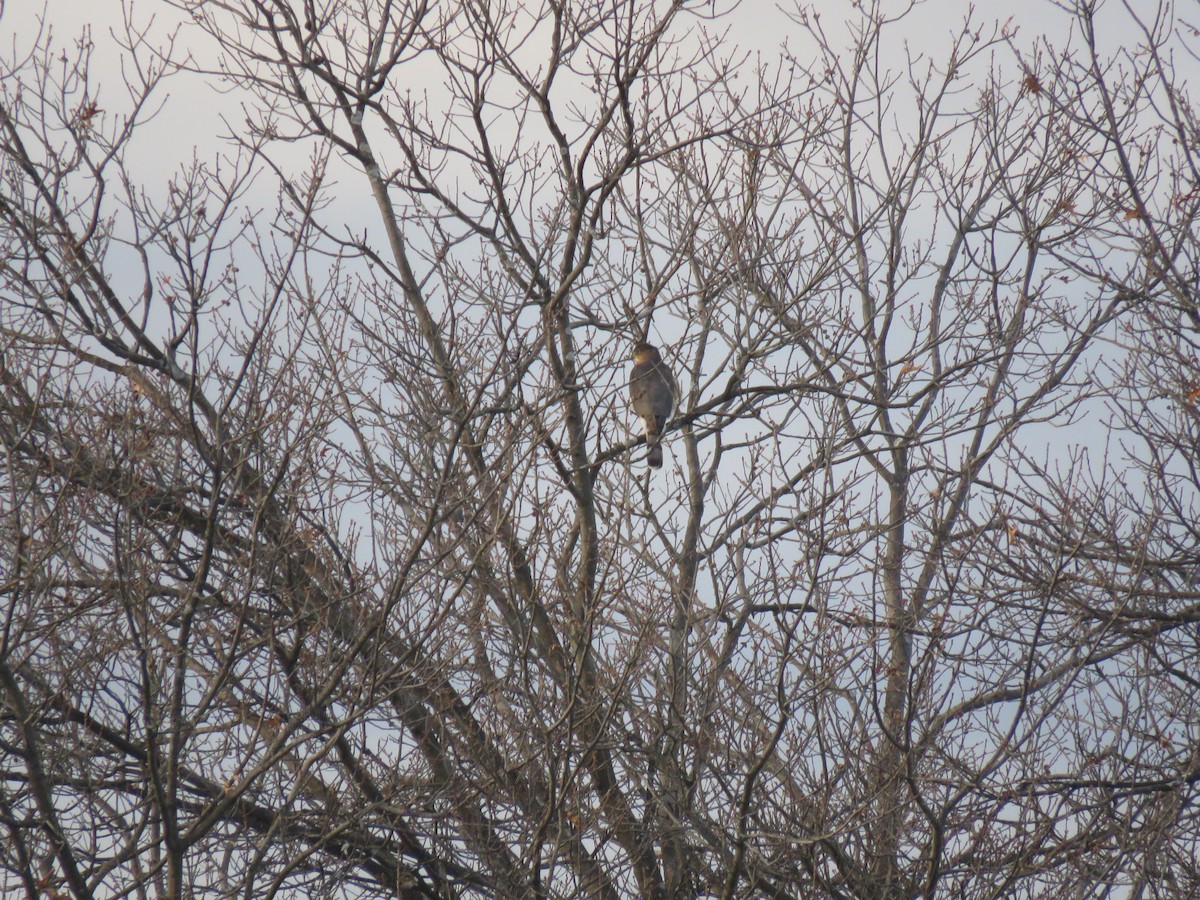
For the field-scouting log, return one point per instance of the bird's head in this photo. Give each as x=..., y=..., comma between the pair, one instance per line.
x=643, y=352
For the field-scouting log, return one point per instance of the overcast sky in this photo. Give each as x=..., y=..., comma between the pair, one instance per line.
x=192, y=118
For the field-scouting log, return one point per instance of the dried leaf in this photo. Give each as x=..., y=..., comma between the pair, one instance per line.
x=87, y=112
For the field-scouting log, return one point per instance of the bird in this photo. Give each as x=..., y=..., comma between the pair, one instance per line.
x=653, y=395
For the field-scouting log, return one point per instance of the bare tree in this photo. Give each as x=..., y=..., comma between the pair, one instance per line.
x=331, y=561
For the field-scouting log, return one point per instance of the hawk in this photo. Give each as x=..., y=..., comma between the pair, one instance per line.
x=653, y=394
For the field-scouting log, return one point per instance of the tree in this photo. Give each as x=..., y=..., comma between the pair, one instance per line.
x=332, y=565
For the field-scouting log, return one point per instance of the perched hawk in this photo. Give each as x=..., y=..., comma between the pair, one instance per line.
x=653, y=395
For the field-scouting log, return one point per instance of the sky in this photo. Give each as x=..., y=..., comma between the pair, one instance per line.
x=759, y=26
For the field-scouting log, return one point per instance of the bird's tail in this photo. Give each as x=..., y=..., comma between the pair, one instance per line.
x=654, y=433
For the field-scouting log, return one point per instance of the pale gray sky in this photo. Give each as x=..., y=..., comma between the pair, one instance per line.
x=192, y=118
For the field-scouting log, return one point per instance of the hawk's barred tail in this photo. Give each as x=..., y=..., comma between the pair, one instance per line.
x=654, y=457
